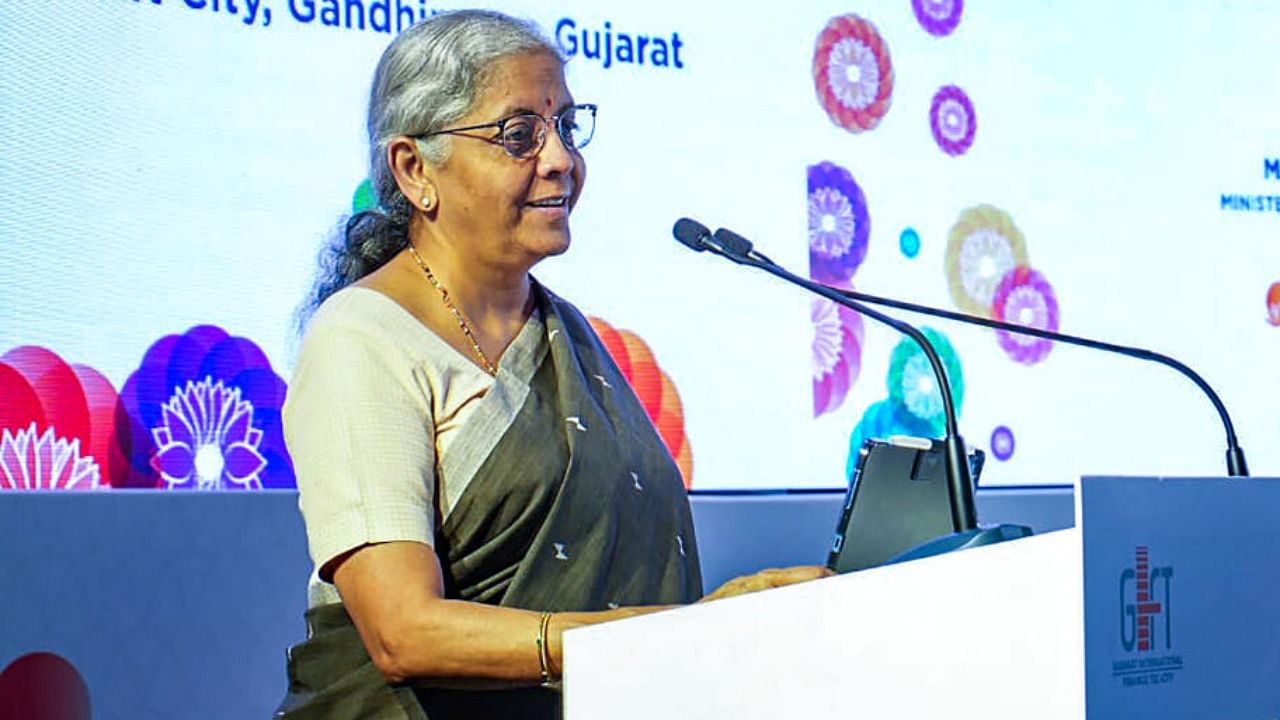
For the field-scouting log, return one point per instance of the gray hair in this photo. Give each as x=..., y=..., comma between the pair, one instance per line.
x=429, y=76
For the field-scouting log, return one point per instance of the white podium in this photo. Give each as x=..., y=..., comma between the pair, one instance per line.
x=1172, y=582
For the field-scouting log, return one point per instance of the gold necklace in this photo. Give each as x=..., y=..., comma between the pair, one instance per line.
x=489, y=367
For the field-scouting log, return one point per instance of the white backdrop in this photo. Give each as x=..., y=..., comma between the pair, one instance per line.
x=163, y=166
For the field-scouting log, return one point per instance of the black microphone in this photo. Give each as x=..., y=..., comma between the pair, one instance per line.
x=1236, y=466
x=964, y=517
x=692, y=234
x=697, y=237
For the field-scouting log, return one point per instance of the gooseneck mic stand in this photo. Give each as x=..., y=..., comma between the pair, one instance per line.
x=964, y=520
x=1236, y=466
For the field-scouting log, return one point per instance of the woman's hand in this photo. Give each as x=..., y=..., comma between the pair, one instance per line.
x=766, y=579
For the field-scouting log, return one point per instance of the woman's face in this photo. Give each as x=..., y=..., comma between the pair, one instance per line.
x=497, y=205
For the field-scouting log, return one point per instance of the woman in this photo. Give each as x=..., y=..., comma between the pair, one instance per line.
x=474, y=472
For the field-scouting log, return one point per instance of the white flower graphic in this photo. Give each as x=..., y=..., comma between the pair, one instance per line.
x=208, y=436
x=853, y=74
x=831, y=222
x=31, y=461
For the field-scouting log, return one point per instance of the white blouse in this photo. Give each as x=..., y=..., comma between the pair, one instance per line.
x=386, y=423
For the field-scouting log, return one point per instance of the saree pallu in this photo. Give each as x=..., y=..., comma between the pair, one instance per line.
x=577, y=507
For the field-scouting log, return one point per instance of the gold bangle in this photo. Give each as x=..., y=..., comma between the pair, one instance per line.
x=544, y=651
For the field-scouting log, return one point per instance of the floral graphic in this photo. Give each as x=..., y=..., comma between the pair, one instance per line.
x=913, y=386
x=1025, y=298
x=952, y=120
x=839, y=226
x=938, y=17
x=654, y=389
x=57, y=424
x=837, y=354
x=1273, y=304
x=982, y=247
x=914, y=405
x=839, y=230
x=1002, y=443
x=204, y=413
x=208, y=436
x=909, y=243
x=852, y=73
x=32, y=461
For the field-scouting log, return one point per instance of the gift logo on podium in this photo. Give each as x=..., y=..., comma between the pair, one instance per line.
x=1144, y=602
x=1146, y=623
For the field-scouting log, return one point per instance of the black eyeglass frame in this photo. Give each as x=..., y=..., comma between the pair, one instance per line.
x=501, y=125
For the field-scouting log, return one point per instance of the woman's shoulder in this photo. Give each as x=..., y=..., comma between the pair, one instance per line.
x=365, y=312
x=358, y=317
x=356, y=305
x=363, y=326
x=356, y=347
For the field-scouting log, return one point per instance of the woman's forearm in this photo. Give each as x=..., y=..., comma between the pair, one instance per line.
x=394, y=594
x=457, y=643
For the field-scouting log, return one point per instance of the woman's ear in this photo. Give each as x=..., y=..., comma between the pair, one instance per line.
x=413, y=175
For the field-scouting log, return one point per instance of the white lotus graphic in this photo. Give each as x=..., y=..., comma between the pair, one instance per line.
x=33, y=461
x=208, y=441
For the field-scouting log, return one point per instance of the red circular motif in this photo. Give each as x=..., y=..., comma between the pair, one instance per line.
x=854, y=103
x=43, y=686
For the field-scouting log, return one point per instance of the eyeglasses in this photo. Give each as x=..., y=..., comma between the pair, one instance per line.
x=524, y=134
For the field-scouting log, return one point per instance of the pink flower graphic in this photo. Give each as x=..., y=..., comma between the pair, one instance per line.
x=852, y=73
x=1025, y=298
x=938, y=17
x=35, y=461
x=952, y=120
x=208, y=437
x=837, y=354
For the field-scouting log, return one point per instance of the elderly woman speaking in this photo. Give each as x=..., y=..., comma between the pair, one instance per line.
x=475, y=475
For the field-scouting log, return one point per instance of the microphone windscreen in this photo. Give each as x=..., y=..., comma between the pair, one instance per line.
x=733, y=243
x=691, y=233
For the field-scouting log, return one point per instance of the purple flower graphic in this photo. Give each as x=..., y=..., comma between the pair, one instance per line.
x=208, y=436
x=1002, y=443
x=1025, y=298
x=938, y=17
x=839, y=227
x=952, y=119
x=203, y=413
x=837, y=354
